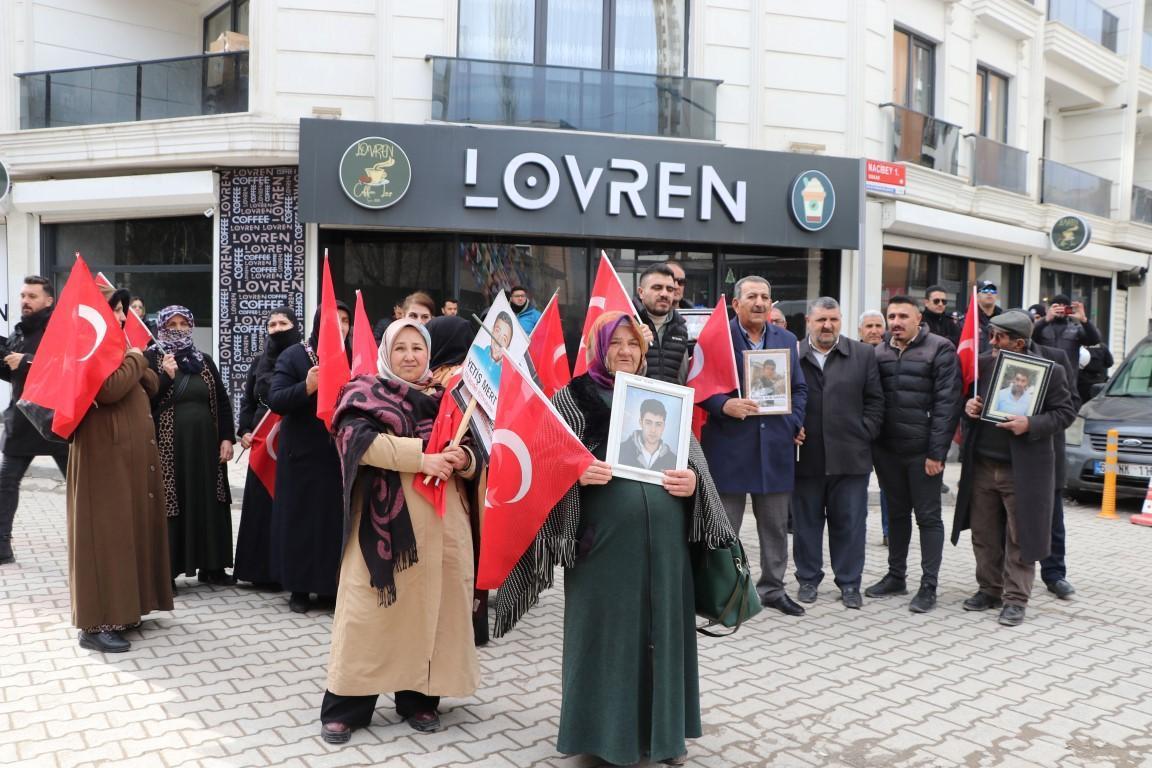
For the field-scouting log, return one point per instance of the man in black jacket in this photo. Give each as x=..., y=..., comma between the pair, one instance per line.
x=986, y=296
x=668, y=346
x=919, y=373
x=844, y=414
x=1066, y=327
x=22, y=442
x=936, y=316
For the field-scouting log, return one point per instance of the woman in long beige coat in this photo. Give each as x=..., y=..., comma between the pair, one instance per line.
x=117, y=529
x=403, y=621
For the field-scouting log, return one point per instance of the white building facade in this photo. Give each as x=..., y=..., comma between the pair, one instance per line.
x=162, y=139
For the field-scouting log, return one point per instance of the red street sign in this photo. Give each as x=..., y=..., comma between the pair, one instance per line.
x=884, y=177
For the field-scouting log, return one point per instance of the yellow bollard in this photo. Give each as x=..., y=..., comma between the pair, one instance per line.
x=1111, y=454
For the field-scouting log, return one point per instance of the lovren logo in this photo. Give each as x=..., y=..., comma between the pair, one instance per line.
x=375, y=172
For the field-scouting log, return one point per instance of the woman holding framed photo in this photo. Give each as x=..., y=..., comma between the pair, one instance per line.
x=630, y=676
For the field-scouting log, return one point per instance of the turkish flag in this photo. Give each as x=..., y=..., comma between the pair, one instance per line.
x=535, y=460
x=81, y=347
x=363, y=342
x=334, y=369
x=265, y=447
x=138, y=334
x=101, y=281
x=608, y=295
x=547, y=351
x=969, y=347
x=713, y=368
x=444, y=428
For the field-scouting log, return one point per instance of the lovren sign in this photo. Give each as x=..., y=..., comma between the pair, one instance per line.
x=545, y=182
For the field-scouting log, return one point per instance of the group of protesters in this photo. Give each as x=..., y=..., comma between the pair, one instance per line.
x=149, y=499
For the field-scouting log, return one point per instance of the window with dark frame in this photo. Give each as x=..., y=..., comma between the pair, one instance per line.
x=232, y=16
x=913, y=72
x=992, y=101
x=646, y=36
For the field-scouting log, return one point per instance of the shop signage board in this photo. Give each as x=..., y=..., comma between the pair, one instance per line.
x=261, y=263
x=889, y=178
x=1070, y=233
x=474, y=179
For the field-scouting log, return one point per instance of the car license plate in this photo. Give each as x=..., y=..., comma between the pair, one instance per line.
x=1128, y=470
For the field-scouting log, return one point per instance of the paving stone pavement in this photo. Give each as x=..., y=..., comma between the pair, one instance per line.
x=232, y=678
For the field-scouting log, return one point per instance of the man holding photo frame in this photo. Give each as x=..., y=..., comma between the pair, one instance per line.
x=754, y=455
x=1009, y=459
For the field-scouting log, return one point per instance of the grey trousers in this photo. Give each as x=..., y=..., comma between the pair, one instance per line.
x=771, y=513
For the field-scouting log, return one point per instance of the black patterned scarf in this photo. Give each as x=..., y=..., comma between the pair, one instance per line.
x=370, y=406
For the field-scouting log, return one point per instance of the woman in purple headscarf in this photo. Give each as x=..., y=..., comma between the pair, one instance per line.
x=195, y=434
x=630, y=685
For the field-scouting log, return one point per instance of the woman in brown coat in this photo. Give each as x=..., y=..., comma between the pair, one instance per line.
x=403, y=621
x=117, y=535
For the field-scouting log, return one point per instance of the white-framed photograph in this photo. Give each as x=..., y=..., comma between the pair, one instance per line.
x=695, y=320
x=650, y=427
x=1018, y=386
x=768, y=380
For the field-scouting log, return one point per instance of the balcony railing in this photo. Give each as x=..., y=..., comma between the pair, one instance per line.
x=1142, y=205
x=1087, y=18
x=924, y=140
x=998, y=165
x=1073, y=188
x=572, y=98
x=211, y=84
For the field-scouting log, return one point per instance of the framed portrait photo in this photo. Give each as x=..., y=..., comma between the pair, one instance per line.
x=695, y=320
x=649, y=429
x=1018, y=386
x=768, y=380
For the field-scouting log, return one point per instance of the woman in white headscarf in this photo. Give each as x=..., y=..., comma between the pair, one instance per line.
x=403, y=621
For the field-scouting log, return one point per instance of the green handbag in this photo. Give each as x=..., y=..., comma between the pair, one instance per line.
x=724, y=591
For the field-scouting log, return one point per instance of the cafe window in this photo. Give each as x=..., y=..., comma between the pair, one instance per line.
x=648, y=36
x=1095, y=293
x=230, y=17
x=164, y=261
x=992, y=103
x=909, y=273
x=913, y=72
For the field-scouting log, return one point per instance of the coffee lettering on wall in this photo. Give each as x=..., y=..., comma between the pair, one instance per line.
x=261, y=263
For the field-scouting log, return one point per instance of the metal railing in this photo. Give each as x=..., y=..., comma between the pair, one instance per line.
x=1073, y=188
x=209, y=84
x=1087, y=18
x=573, y=98
x=995, y=164
x=924, y=140
x=1141, y=205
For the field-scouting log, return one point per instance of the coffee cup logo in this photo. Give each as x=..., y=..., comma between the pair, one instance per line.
x=1070, y=234
x=375, y=172
x=813, y=200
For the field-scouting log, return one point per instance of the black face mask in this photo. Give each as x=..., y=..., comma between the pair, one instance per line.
x=281, y=340
x=518, y=305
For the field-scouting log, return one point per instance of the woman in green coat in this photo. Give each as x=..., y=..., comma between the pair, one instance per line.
x=630, y=676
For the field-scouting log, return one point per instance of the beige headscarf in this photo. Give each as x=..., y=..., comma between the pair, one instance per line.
x=384, y=354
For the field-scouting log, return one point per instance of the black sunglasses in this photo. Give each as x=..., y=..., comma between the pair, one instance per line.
x=937, y=301
x=679, y=280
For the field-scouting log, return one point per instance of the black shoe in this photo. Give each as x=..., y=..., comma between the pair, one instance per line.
x=889, y=585
x=807, y=593
x=924, y=601
x=850, y=596
x=425, y=722
x=218, y=578
x=1012, y=615
x=6, y=556
x=785, y=605
x=335, y=733
x=299, y=602
x=106, y=642
x=982, y=602
x=1061, y=588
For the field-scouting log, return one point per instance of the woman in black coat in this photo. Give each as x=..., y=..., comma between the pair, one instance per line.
x=307, y=513
x=254, y=541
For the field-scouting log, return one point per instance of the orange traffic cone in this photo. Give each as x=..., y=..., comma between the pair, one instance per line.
x=1145, y=516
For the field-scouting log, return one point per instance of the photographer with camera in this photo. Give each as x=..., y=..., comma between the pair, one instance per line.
x=1066, y=327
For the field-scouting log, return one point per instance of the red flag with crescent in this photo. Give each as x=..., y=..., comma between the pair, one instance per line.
x=713, y=367
x=969, y=346
x=364, y=350
x=82, y=346
x=138, y=334
x=547, y=350
x=535, y=460
x=608, y=295
x=334, y=369
x=265, y=449
x=444, y=428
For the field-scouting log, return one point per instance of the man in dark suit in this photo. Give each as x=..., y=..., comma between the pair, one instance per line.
x=753, y=455
x=1005, y=465
x=844, y=414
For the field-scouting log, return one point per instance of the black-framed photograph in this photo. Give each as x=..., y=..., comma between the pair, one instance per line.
x=1018, y=386
x=695, y=320
x=649, y=429
x=768, y=380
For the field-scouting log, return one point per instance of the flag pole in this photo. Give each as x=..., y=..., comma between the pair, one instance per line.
x=255, y=429
x=543, y=312
x=975, y=345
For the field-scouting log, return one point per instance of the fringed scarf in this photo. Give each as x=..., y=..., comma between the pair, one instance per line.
x=370, y=406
